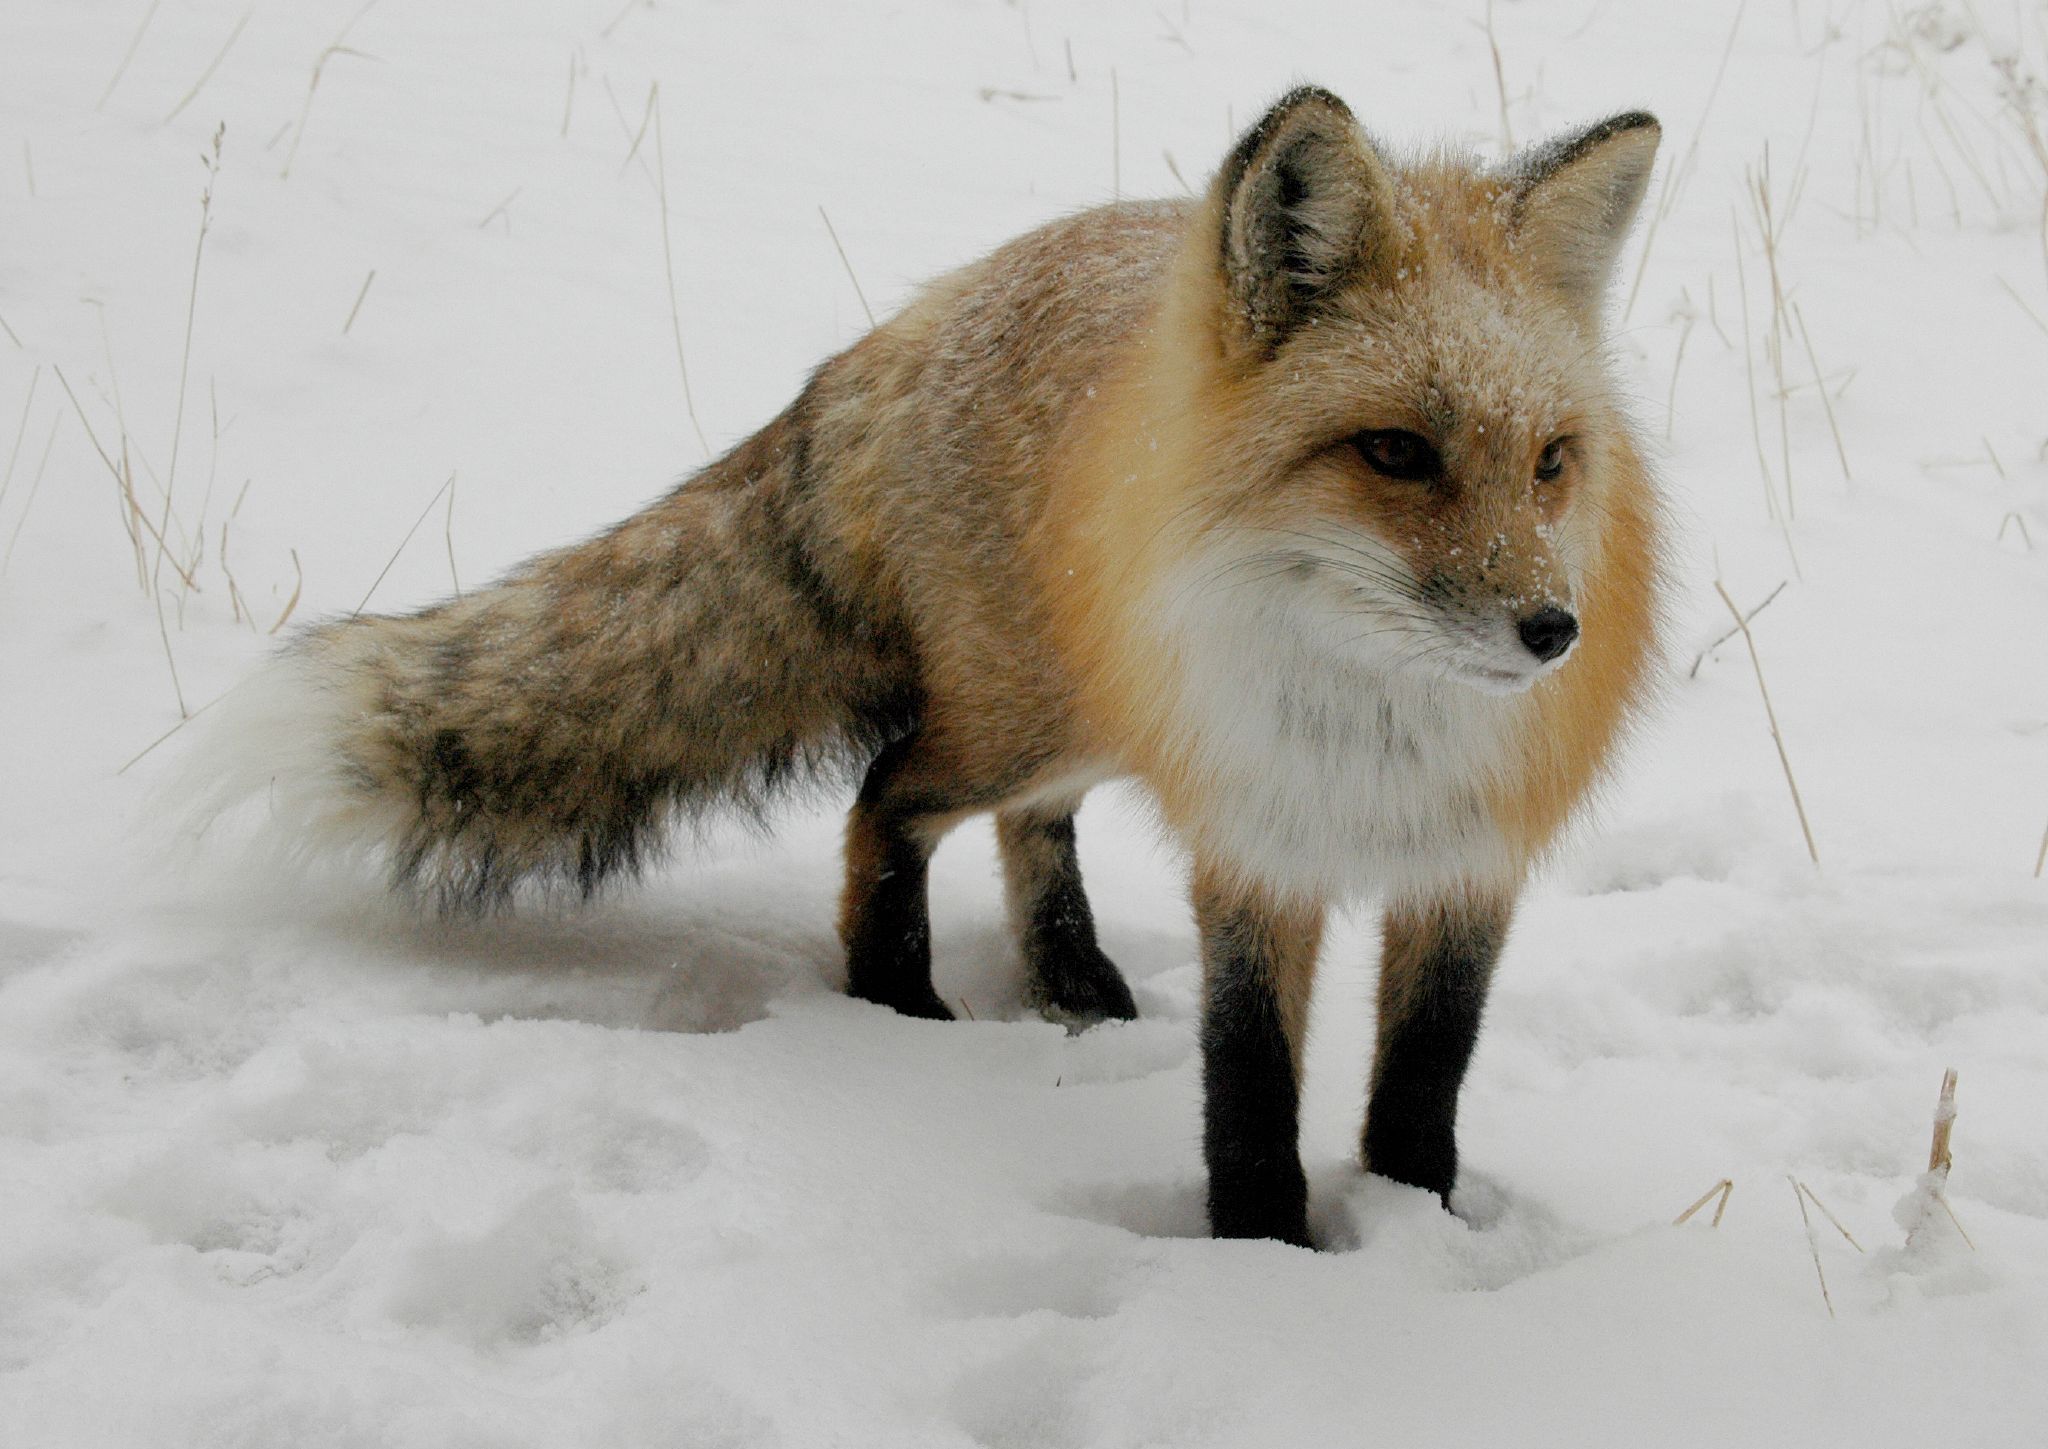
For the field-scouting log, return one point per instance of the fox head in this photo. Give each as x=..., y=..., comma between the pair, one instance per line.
x=1408, y=423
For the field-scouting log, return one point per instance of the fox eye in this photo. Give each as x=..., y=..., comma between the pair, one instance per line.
x=1550, y=463
x=1395, y=453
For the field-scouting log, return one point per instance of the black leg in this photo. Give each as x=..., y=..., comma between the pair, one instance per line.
x=917, y=788
x=1042, y=878
x=1258, y=962
x=884, y=920
x=1436, y=964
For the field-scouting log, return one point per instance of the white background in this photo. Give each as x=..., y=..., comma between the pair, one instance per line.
x=282, y=1164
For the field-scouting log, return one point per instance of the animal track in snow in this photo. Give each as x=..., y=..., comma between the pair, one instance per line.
x=1025, y=1397
x=537, y=1274
x=1125, y=1051
x=1152, y=1209
x=1489, y=1241
x=1005, y=1285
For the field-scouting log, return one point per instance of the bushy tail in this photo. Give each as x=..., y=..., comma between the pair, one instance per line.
x=551, y=728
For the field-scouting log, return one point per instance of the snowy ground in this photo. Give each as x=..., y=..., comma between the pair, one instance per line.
x=280, y=1165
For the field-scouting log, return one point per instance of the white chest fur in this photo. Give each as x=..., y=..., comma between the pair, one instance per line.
x=1323, y=768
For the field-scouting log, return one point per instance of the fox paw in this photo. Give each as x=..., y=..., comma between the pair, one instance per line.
x=1081, y=989
x=924, y=1003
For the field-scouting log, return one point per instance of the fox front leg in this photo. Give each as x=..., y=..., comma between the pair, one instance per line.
x=1436, y=963
x=1258, y=964
x=1069, y=975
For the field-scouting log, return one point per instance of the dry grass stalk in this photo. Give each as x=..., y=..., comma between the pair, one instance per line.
x=364, y=292
x=212, y=161
x=140, y=755
x=1813, y=1247
x=2040, y=860
x=1722, y=1189
x=197, y=556
x=336, y=46
x=1770, y=228
x=139, y=523
x=1691, y=316
x=12, y=335
x=1940, y=1157
x=1799, y=172
x=2008, y=521
x=1674, y=179
x=358, y=609
x=833, y=232
x=298, y=587
x=646, y=120
x=1500, y=85
x=236, y=604
x=569, y=101
x=1820, y=384
x=1756, y=429
x=133, y=520
x=1867, y=150
x=668, y=263
x=1175, y=169
x=1966, y=152
x=2017, y=91
x=211, y=66
x=619, y=19
x=2032, y=316
x=1948, y=180
x=34, y=485
x=1815, y=1199
x=1777, y=737
x=1714, y=314
x=7, y=478
x=626, y=129
x=503, y=209
x=163, y=630
x=1173, y=35
x=1961, y=1231
x=1693, y=673
x=134, y=44
x=447, y=538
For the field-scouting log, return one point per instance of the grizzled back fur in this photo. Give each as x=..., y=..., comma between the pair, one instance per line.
x=552, y=728
x=988, y=521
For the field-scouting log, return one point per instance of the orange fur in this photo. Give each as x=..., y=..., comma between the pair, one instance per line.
x=1185, y=434
x=1290, y=503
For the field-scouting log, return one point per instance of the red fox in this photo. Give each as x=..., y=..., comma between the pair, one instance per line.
x=1309, y=505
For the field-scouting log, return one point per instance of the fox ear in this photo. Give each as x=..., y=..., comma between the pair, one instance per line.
x=1574, y=197
x=1303, y=197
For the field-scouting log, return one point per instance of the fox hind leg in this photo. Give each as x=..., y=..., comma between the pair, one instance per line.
x=1069, y=974
x=1436, y=964
x=884, y=919
x=917, y=789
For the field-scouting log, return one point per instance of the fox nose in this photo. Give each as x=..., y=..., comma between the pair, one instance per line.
x=1548, y=632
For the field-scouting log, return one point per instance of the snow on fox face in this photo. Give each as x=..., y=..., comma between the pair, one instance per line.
x=1447, y=517
x=1422, y=352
